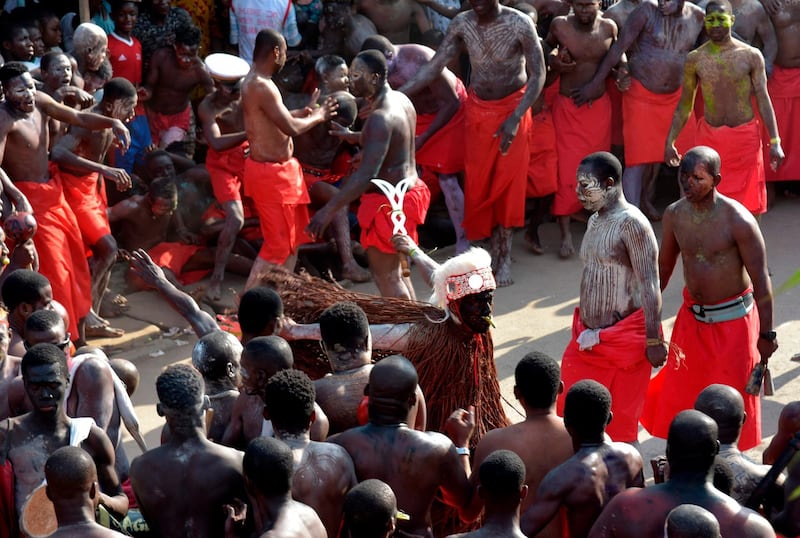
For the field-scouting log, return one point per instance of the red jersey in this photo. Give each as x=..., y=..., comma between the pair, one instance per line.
x=126, y=57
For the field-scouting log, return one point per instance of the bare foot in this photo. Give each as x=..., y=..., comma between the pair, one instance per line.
x=93, y=320
x=214, y=291
x=355, y=273
x=113, y=306
x=534, y=245
x=503, y=274
x=103, y=331
x=651, y=212
x=566, y=251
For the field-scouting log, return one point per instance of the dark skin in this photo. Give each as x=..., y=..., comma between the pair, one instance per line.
x=785, y=17
x=394, y=19
x=173, y=73
x=75, y=510
x=788, y=426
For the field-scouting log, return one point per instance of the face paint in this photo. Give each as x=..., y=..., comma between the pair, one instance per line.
x=717, y=20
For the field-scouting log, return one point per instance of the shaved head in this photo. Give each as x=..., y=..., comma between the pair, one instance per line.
x=70, y=472
x=691, y=521
x=703, y=155
x=393, y=377
x=725, y=405
x=692, y=442
x=269, y=353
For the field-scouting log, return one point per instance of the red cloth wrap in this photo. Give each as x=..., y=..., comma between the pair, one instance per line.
x=579, y=132
x=784, y=92
x=62, y=257
x=647, y=117
x=742, y=159
x=494, y=185
x=443, y=153
x=619, y=363
x=281, y=200
x=543, y=164
x=226, y=169
x=724, y=352
x=8, y=516
x=174, y=256
x=159, y=123
x=312, y=175
x=374, y=214
x=86, y=195
x=617, y=138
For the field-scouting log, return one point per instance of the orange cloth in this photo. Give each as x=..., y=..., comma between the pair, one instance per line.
x=8, y=516
x=226, y=169
x=161, y=124
x=647, y=117
x=723, y=352
x=443, y=153
x=742, y=159
x=62, y=257
x=86, y=195
x=619, y=363
x=784, y=92
x=617, y=138
x=494, y=185
x=579, y=132
x=174, y=256
x=543, y=164
x=281, y=200
x=377, y=228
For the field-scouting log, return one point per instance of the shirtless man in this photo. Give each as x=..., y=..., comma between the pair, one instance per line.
x=370, y=511
x=187, y=462
x=784, y=90
x=598, y=471
x=173, y=74
x=691, y=521
x=729, y=72
x=439, y=135
x=268, y=469
x=415, y=464
x=661, y=35
x=387, y=141
x=323, y=472
x=24, y=292
x=502, y=487
x=23, y=154
x=80, y=155
x=541, y=440
x=72, y=488
x=582, y=39
x=56, y=73
x=31, y=438
x=724, y=404
x=216, y=356
x=220, y=113
x=89, y=48
x=691, y=447
x=616, y=335
x=273, y=178
x=788, y=426
x=507, y=76
x=393, y=19
x=725, y=323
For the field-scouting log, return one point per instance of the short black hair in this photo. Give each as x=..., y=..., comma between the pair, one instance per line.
x=502, y=475
x=327, y=63
x=155, y=154
x=587, y=408
x=377, y=42
x=48, y=59
x=538, y=378
x=692, y=442
x=691, y=521
x=720, y=5
x=116, y=5
x=603, y=165
x=268, y=465
x=266, y=40
x=346, y=324
x=188, y=34
x=43, y=320
x=23, y=286
x=69, y=471
x=44, y=355
x=180, y=387
x=259, y=307
x=213, y=352
x=701, y=154
x=347, y=112
x=369, y=508
x=289, y=399
x=118, y=88
x=11, y=70
x=162, y=189
x=375, y=62
x=270, y=350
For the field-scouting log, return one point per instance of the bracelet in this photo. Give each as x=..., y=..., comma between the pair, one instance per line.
x=462, y=451
x=774, y=141
x=654, y=342
x=413, y=252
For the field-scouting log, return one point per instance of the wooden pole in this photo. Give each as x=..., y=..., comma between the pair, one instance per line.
x=83, y=10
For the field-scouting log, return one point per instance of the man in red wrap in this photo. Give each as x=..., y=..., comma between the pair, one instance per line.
x=23, y=153
x=272, y=177
x=725, y=323
x=784, y=85
x=616, y=334
x=440, y=124
x=729, y=71
x=661, y=35
x=387, y=140
x=507, y=76
x=583, y=39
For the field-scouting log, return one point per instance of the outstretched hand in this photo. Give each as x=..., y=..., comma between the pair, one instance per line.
x=145, y=268
x=122, y=135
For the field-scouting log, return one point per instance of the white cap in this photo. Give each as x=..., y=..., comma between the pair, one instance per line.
x=226, y=67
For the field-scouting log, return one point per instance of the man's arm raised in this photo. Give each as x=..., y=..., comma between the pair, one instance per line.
x=88, y=120
x=451, y=46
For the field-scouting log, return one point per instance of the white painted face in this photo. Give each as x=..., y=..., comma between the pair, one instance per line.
x=590, y=193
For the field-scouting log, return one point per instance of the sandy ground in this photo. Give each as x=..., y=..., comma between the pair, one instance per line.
x=534, y=313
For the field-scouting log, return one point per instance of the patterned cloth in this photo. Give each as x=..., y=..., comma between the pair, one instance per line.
x=154, y=36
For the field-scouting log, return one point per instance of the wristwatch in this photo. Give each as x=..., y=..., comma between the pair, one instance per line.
x=769, y=336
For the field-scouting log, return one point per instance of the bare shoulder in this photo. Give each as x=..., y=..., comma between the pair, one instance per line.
x=518, y=21
x=461, y=22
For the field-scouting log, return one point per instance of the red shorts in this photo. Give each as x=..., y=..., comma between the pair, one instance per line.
x=375, y=211
x=226, y=169
x=169, y=127
x=86, y=195
x=174, y=256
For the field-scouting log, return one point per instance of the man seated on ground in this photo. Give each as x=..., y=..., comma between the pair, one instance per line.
x=416, y=465
x=324, y=472
x=502, y=487
x=541, y=440
x=268, y=470
x=188, y=462
x=29, y=439
x=72, y=488
x=691, y=521
x=216, y=356
x=597, y=472
x=691, y=447
x=80, y=155
x=370, y=511
x=346, y=341
x=174, y=73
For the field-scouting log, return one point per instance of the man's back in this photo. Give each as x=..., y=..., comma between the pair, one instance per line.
x=181, y=489
x=395, y=119
x=296, y=520
x=267, y=141
x=340, y=395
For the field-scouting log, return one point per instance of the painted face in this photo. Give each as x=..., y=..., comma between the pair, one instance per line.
x=95, y=54
x=51, y=32
x=20, y=46
x=475, y=310
x=59, y=72
x=36, y=38
x=46, y=385
x=360, y=79
x=670, y=7
x=20, y=93
x=185, y=54
x=718, y=25
x=590, y=193
x=586, y=10
x=338, y=79
x=123, y=109
x=161, y=167
x=697, y=182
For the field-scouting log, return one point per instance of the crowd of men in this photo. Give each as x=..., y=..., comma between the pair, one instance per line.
x=190, y=140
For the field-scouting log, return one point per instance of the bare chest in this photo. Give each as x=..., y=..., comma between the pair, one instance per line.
x=603, y=243
x=586, y=46
x=673, y=34
x=492, y=44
